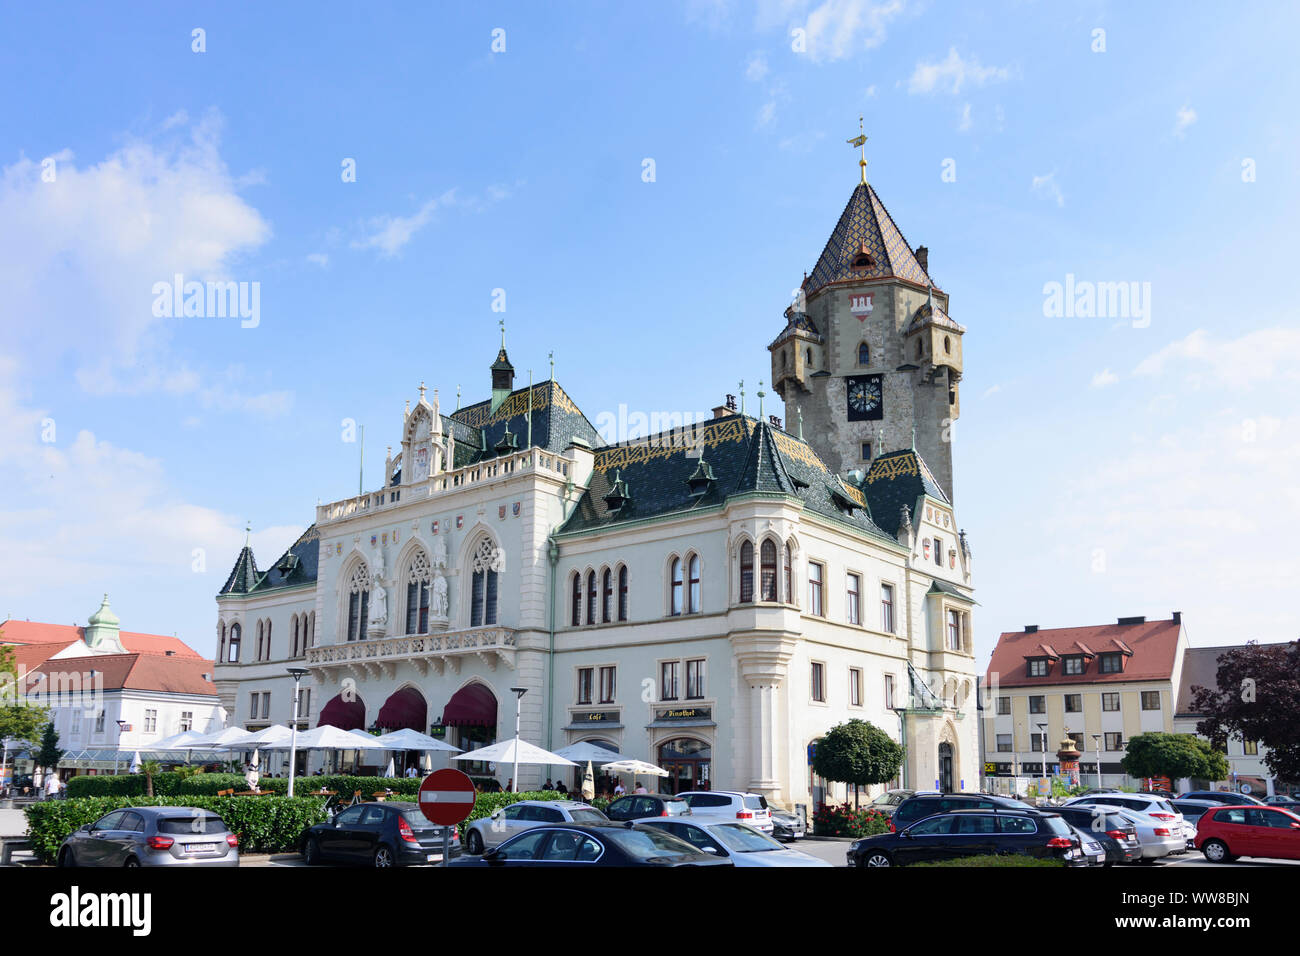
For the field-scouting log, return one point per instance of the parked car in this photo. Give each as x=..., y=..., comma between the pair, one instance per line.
x=788, y=825
x=1225, y=797
x=511, y=820
x=728, y=839
x=921, y=805
x=1117, y=834
x=594, y=844
x=1157, y=807
x=961, y=833
x=1159, y=838
x=1226, y=833
x=1090, y=846
x=748, y=808
x=889, y=801
x=382, y=834
x=639, y=806
x=1283, y=801
x=152, y=836
x=1192, y=810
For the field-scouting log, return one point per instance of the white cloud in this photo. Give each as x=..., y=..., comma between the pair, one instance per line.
x=756, y=68
x=1262, y=356
x=871, y=92
x=992, y=390
x=1103, y=378
x=83, y=515
x=1185, y=117
x=837, y=29
x=953, y=73
x=84, y=251
x=964, y=124
x=389, y=234
x=1048, y=188
x=321, y=259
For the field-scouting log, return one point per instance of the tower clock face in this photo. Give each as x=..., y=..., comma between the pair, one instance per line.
x=865, y=401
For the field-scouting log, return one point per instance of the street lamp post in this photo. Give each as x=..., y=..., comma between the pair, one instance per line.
x=117, y=753
x=519, y=696
x=296, y=673
x=1096, y=745
x=1043, y=730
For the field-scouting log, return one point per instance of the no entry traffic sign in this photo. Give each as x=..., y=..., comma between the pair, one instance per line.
x=447, y=797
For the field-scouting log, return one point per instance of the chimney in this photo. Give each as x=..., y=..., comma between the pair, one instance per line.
x=722, y=411
x=1031, y=628
x=1178, y=617
x=1125, y=621
x=923, y=257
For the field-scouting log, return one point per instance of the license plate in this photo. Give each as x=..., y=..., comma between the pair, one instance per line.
x=432, y=856
x=200, y=847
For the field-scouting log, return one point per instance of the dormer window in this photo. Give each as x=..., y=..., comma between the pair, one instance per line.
x=1074, y=664
x=1038, y=667
x=1111, y=663
x=863, y=259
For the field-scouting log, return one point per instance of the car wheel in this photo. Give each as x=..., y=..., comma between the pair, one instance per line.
x=877, y=858
x=1216, y=851
x=66, y=858
x=383, y=857
x=131, y=863
x=311, y=853
x=474, y=843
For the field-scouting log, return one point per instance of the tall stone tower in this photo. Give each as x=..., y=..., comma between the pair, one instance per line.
x=868, y=357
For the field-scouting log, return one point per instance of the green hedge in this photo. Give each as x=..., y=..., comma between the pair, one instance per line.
x=1012, y=860
x=263, y=824
x=210, y=783
x=165, y=784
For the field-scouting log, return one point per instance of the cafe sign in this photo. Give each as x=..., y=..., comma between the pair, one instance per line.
x=685, y=713
x=596, y=717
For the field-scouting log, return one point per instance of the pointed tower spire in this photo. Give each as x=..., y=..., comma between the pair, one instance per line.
x=861, y=141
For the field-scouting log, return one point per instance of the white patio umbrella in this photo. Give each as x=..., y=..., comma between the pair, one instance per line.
x=135, y=763
x=515, y=751
x=637, y=768
x=414, y=740
x=182, y=741
x=587, y=752
x=231, y=738
x=588, y=784
x=391, y=769
x=327, y=737
x=274, y=737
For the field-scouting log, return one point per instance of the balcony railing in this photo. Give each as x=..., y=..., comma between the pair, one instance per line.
x=528, y=460
x=425, y=652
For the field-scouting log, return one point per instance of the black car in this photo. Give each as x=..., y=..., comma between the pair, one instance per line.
x=379, y=834
x=1193, y=810
x=923, y=805
x=963, y=833
x=1115, y=832
x=594, y=844
x=639, y=806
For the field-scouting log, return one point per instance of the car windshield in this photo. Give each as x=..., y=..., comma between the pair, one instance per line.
x=416, y=818
x=588, y=815
x=1057, y=825
x=199, y=823
x=755, y=803
x=742, y=839
x=649, y=842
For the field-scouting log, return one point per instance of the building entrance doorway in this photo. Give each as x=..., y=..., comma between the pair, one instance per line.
x=688, y=764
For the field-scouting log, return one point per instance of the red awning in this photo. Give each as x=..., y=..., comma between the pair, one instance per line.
x=471, y=706
x=343, y=714
x=405, y=710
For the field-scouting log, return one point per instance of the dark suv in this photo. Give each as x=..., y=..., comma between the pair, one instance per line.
x=639, y=806
x=967, y=833
x=923, y=805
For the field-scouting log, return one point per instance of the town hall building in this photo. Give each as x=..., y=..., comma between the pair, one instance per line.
x=712, y=599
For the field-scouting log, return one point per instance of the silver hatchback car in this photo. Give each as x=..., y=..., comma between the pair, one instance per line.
x=513, y=819
x=152, y=836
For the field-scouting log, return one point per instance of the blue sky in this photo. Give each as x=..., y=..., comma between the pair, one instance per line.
x=1102, y=469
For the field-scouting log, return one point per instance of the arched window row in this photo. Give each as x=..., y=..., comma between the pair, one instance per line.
x=684, y=584
x=774, y=580
x=598, y=597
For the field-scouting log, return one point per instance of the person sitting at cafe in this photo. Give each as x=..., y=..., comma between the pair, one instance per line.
x=561, y=788
x=547, y=785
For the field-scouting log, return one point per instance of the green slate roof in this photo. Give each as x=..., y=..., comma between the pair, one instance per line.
x=895, y=479
x=744, y=455
x=865, y=226
x=557, y=421
x=297, y=566
x=945, y=587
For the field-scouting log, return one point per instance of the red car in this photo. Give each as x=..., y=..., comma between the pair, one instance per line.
x=1225, y=833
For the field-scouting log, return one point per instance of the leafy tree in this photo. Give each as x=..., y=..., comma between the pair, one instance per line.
x=1257, y=698
x=859, y=753
x=49, y=755
x=150, y=768
x=18, y=719
x=1174, y=756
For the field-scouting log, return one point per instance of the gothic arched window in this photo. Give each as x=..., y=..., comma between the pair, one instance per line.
x=693, y=584
x=488, y=563
x=236, y=632
x=358, y=602
x=789, y=591
x=417, y=594
x=746, y=572
x=622, y=593
x=591, y=597
x=266, y=651
x=293, y=636
x=257, y=651
x=864, y=354
x=606, y=596
x=576, y=619
x=768, y=579
x=675, y=587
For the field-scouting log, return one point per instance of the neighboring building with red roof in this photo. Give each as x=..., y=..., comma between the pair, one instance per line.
x=112, y=692
x=1099, y=686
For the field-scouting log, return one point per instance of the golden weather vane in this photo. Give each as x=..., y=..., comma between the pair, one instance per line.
x=861, y=141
